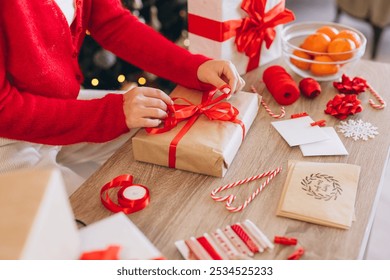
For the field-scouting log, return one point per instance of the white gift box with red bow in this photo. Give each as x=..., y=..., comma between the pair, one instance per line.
x=245, y=32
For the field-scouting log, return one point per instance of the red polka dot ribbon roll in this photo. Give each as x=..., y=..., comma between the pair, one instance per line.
x=131, y=197
x=281, y=85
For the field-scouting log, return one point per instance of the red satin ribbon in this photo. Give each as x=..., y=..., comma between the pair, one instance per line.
x=211, y=29
x=126, y=205
x=211, y=108
x=258, y=27
x=250, y=32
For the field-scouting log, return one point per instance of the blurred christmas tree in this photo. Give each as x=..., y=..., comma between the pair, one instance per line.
x=103, y=70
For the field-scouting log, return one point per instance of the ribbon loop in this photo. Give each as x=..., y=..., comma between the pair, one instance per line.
x=258, y=27
x=210, y=106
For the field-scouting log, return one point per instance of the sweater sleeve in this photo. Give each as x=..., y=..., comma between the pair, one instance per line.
x=117, y=30
x=29, y=117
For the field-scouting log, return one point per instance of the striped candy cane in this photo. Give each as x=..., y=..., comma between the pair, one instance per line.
x=267, y=109
x=378, y=97
x=230, y=198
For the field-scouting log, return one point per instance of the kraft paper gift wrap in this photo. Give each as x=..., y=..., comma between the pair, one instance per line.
x=208, y=147
x=320, y=193
x=212, y=25
x=36, y=219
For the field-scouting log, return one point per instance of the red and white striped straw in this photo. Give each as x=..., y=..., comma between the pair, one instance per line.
x=378, y=97
x=267, y=109
x=230, y=198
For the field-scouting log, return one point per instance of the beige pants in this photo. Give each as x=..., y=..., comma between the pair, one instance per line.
x=76, y=162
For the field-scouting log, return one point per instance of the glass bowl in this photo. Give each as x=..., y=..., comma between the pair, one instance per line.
x=306, y=62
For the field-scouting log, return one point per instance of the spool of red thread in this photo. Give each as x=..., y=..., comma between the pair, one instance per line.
x=281, y=85
x=309, y=87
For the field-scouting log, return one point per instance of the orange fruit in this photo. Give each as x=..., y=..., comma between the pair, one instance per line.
x=320, y=69
x=349, y=34
x=298, y=63
x=317, y=42
x=328, y=30
x=338, y=47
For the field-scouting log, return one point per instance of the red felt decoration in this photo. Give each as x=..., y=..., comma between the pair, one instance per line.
x=281, y=85
x=309, y=87
x=351, y=86
x=341, y=106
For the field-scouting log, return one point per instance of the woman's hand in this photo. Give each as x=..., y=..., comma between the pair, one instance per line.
x=145, y=107
x=219, y=73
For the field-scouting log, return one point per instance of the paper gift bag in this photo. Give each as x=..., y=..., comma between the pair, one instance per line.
x=245, y=32
x=321, y=193
x=36, y=220
x=209, y=146
x=118, y=230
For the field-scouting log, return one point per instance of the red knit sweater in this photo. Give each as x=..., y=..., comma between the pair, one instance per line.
x=40, y=76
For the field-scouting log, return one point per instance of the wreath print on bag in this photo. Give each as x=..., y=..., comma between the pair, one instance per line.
x=321, y=186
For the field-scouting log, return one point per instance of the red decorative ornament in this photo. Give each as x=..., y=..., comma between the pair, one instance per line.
x=351, y=86
x=341, y=106
x=309, y=87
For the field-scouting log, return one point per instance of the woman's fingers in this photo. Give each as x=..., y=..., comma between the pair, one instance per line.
x=145, y=107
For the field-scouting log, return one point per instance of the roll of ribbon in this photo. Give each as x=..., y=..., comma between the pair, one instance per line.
x=131, y=197
x=309, y=87
x=281, y=85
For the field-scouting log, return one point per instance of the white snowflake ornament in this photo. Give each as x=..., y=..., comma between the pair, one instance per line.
x=357, y=129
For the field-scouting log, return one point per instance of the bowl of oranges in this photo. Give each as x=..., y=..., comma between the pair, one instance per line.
x=321, y=50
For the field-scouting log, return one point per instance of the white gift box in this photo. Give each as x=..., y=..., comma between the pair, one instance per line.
x=37, y=223
x=36, y=220
x=223, y=11
x=118, y=230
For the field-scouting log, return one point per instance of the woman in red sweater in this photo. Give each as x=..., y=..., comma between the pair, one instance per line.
x=40, y=82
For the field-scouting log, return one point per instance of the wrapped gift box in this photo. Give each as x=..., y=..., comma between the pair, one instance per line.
x=37, y=223
x=209, y=146
x=36, y=220
x=120, y=231
x=212, y=28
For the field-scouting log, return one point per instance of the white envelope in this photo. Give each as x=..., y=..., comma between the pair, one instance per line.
x=331, y=147
x=299, y=131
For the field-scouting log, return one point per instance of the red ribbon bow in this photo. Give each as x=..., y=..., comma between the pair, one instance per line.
x=341, y=106
x=213, y=109
x=351, y=86
x=259, y=26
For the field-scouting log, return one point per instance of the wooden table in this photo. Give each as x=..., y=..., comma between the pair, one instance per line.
x=181, y=206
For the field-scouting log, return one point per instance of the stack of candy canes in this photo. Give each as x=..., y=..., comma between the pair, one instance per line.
x=234, y=242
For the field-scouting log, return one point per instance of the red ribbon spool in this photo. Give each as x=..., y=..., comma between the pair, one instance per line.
x=131, y=197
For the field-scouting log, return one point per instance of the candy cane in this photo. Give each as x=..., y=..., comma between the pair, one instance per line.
x=230, y=198
x=267, y=109
x=378, y=97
